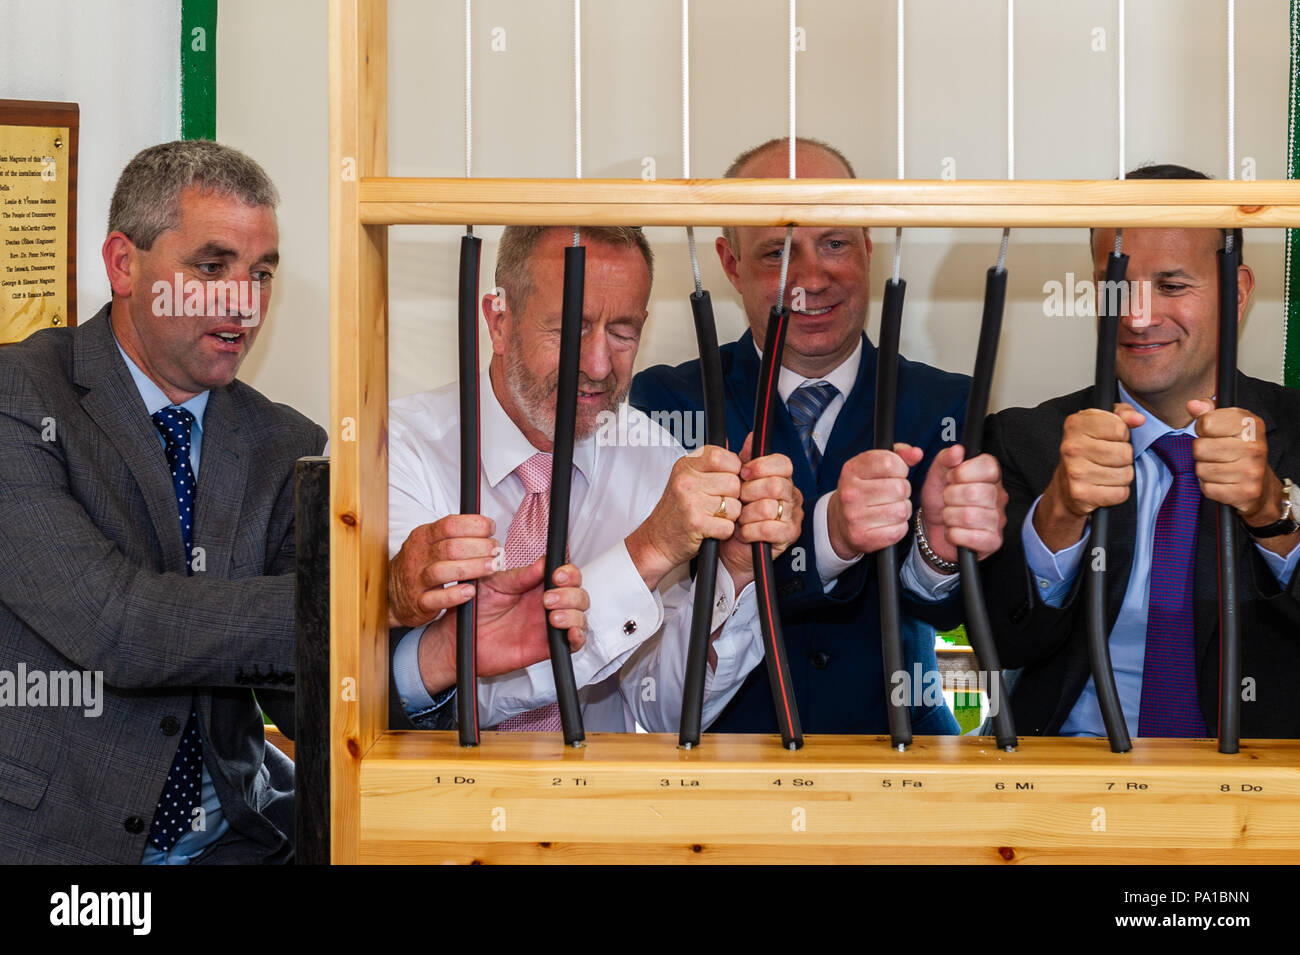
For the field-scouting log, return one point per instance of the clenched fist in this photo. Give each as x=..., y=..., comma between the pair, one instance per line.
x=1231, y=454
x=872, y=502
x=1095, y=470
x=963, y=504
x=702, y=500
x=771, y=512
x=459, y=547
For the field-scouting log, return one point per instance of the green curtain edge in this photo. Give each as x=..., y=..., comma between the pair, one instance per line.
x=198, y=69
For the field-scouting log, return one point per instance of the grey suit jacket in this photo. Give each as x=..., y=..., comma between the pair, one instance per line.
x=93, y=578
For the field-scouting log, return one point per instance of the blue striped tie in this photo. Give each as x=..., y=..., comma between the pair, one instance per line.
x=806, y=406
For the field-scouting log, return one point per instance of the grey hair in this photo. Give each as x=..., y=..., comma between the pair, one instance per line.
x=146, y=200
x=513, y=275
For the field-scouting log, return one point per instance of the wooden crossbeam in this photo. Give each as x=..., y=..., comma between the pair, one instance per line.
x=778, y=202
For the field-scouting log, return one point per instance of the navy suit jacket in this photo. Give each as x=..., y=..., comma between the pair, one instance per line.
x=833, y=638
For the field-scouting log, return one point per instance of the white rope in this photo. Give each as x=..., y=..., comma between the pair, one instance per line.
x=789, y=230
x=1232, y=90
x=577, y=99
x=1011, y=89
x=469, y=113
x=898, y=232
x=1122, y=119
x=686, y=89
x=792, y=52
x=785, y=264
x=1011, y=118
x=1123, y=108
x=899, y=57
x=686, y=131
x=1290, y=160
x=1231, y=107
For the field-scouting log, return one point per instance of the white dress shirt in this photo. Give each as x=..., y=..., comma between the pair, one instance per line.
x=921, y=580
x=632, y=665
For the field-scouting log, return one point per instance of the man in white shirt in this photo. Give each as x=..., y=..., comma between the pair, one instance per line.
x=639, y=511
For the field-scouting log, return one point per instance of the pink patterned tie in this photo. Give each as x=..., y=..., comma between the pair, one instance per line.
x=525, y=542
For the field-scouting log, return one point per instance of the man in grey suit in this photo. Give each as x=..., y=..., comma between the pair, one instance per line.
x=164, y=598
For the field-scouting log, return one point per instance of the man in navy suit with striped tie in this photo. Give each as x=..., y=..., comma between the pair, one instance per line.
x=922, y=497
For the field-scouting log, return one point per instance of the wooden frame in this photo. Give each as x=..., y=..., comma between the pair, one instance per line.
x=419, y=797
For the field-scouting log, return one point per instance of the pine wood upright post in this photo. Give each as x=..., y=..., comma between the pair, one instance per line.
x=358, y=40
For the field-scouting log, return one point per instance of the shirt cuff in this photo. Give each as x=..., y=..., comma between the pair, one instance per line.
x=411, y=691
x=733, y=645
x=1283, y=567
x=624, y=612
x=923, y=581
x=829, y=564
x=725, y=600
x=1053, y=572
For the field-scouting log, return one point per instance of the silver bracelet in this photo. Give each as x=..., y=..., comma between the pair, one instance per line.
x=931, y=558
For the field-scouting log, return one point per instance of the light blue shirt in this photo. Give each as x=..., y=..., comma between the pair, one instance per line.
x=215, y=825
x=1054, y=575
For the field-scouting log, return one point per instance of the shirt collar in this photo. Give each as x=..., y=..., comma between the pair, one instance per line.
x=153, y=397
x=844, y=376
x=504, y=447
x=1152, y=429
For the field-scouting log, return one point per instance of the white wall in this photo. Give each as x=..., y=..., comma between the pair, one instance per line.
x=121, y=63
x=272, y=102
x=955, y=107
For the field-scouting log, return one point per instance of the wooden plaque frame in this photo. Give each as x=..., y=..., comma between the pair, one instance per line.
x=407, y=796
x=18, y=112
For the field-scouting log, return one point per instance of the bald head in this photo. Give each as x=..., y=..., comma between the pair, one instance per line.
x=814, y=159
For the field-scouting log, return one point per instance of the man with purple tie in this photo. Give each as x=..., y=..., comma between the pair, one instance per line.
x=1163, y=459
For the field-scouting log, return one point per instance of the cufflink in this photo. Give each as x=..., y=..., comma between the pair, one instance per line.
x=629, y=627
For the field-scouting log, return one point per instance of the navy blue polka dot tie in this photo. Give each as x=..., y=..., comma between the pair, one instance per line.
x=184, y=787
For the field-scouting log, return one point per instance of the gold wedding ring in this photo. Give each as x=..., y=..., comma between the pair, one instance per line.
x=780, y=510
x=722, y=510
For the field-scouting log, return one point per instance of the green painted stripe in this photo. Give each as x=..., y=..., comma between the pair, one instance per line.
x=199, y=69
x=1291, y=275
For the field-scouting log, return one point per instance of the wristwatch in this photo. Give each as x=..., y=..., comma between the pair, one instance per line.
x=1290, y=512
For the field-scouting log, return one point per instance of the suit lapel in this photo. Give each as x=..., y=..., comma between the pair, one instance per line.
x=223, y=473
x=113, y=403
x=854, y=430
x=742, y=385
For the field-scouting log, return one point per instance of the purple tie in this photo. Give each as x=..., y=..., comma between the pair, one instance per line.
x=1169, y=695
